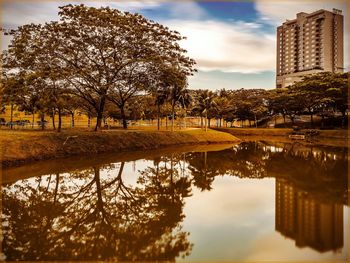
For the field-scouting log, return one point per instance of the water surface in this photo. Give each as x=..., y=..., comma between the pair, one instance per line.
x=252, y=201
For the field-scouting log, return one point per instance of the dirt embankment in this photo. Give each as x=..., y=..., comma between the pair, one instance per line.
x=19, y=147
x=337, y=138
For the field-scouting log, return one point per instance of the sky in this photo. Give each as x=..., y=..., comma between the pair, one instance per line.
x=233, y=43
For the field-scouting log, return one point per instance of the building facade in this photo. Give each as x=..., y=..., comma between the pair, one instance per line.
x=311, y=43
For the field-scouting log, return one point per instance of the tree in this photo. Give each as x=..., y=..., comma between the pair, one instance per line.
x=161, y=97
x=223, y=105
x=11, y=91
x=178, y=93
x=32, y=95
x=319, y=93
x=206, y=103
x=102, y=53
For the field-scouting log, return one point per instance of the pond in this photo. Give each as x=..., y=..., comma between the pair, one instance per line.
x=251, y=201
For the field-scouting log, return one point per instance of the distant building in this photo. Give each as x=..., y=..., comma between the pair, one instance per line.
x=306, y=220
x=309, y=44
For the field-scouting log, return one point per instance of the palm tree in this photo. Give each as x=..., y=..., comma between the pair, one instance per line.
x=206, y=103
x=185, y=101
x=223, y=106
x=162, y=96
x=179, y=95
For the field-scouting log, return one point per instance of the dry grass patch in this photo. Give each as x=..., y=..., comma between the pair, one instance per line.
x=23, y=146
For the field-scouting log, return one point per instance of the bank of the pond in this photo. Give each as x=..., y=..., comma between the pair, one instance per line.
x=19, y=147
x=324, y=137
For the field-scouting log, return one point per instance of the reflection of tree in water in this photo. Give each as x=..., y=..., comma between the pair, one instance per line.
x=94, y=215
x=320, y=171
x=245, y=160
x=89, y=216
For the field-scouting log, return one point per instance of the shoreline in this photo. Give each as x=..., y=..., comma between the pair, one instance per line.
x=23, y=147
x=68, y=164
x=335, y=138
x=20, y=148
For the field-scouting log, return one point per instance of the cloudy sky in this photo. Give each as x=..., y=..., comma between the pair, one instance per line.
x=233, y=42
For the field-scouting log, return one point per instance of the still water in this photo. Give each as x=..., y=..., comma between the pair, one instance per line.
x=252, y=201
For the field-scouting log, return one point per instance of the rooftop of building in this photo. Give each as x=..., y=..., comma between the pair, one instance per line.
x=307, y=15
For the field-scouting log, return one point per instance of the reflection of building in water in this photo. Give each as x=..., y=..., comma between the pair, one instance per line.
x=306, y=220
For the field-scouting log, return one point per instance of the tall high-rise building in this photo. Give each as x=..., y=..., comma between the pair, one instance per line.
x=309, y=44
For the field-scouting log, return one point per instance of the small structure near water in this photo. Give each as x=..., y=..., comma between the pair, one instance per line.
x=298, y=134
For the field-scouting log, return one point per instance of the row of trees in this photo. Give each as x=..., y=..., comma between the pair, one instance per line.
x=107, y=63
x=323, y=94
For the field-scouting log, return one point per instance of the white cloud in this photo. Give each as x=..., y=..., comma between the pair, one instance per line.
x=19, y=13
x=186, y=10
x=15, y=14
x=126, y=5
x=229, y=47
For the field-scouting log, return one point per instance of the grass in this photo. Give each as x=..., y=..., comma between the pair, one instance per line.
x=24, y=146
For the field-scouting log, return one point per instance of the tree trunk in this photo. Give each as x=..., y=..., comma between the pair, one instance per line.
x=100, y=112
x=72, y=115
x=166, y=121
x=343, y=119
x=172, y=116
x=284, y=120
x=158, y=116
x=53, y=119
x=11, y=116
x=256, y=122
x=33, y=119
x=185, y=119
x=59, y=120
x=201, y=122
x=209, y=123
x=312, y=120
x=89, y=120
x=42, y=119
x=205, y=121
x=292, y=119
x=125, y=124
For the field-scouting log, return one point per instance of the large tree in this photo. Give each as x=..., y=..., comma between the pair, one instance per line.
x=103, y=53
